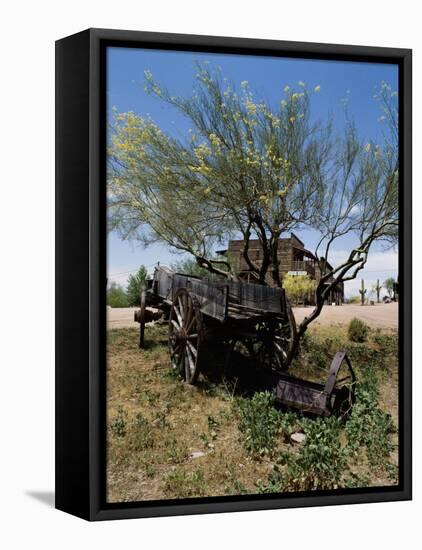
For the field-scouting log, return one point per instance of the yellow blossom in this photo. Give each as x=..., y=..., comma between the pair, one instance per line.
x=286, y=88
x=367, y=147
x=215, y=140
x=317, y=88
x=250, y=108
x=301, y=83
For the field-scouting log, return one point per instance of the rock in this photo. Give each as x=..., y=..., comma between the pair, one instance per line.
x=298, y=437
x=197, y=454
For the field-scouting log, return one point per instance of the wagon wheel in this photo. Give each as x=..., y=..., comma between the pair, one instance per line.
x=274, y=341
x=345, y=386
x=141, y=317
x=185, y=334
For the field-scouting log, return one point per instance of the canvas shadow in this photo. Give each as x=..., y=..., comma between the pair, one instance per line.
x=45, y=497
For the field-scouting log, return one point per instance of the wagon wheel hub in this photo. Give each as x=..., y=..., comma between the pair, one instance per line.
x=178, y=337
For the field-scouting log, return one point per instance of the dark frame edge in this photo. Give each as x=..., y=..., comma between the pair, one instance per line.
x=405, y=266
x=72, y=419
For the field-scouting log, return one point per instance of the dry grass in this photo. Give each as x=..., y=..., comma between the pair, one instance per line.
x=157, y=426
x=152, y=458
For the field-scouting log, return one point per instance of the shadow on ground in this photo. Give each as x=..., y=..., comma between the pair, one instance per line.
x=45, y=497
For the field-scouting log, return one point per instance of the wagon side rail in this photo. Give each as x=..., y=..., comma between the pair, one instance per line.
x=212, y=299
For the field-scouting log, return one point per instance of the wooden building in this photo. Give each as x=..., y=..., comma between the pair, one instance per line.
x=294, y=259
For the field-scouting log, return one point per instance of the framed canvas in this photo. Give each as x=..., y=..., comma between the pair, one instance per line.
x=232, y=219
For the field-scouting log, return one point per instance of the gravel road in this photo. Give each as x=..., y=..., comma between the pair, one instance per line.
x=379, y=315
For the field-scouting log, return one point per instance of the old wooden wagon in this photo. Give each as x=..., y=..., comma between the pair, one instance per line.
x=203, y=314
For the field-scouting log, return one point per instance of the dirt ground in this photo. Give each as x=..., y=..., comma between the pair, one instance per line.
x=377, y=316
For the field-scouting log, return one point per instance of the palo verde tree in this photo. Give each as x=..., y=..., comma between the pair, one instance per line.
x=246, y=169
x=251, y=169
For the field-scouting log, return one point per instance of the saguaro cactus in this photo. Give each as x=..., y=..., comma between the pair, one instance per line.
x=362, y=293
x=378, y=288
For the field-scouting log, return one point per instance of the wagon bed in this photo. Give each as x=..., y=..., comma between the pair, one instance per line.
x=220, y=300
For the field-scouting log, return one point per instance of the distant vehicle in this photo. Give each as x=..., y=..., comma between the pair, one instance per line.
x=387, y=300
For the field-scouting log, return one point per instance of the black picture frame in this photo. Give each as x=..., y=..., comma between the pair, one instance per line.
x=81, y=272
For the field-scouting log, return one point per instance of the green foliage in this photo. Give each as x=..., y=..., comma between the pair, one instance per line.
x=355, y=481
x=368, y=426
x=141, y=435
x=354, y=300
x=236, y=488
x=325, y=460
x=298, y=287
x=119, y=422
x=319, y=464
x=259, y=421
x=116, y=296
x=190, y=266
x=389, y=285
x=182, y=484
x=136, y=283
x=176, y=451
x=357, y=330
x=388, y=342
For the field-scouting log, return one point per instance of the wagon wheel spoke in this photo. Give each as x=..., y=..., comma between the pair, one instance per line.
x=175, y=324
x=176, y=350
x=190, y=321
x=191, y=357
x=181, y=308
x=185, y=334
x=191, y=348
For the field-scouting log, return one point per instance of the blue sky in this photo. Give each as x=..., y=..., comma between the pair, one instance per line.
x=267, y=77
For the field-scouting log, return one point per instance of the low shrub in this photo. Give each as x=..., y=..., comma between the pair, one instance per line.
x=259, y=421
x=319, y=464
x=118, y=423
x=387, y=343
x=357, y=331
x=182, y=484
x=368, y=426
x=141, y=434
